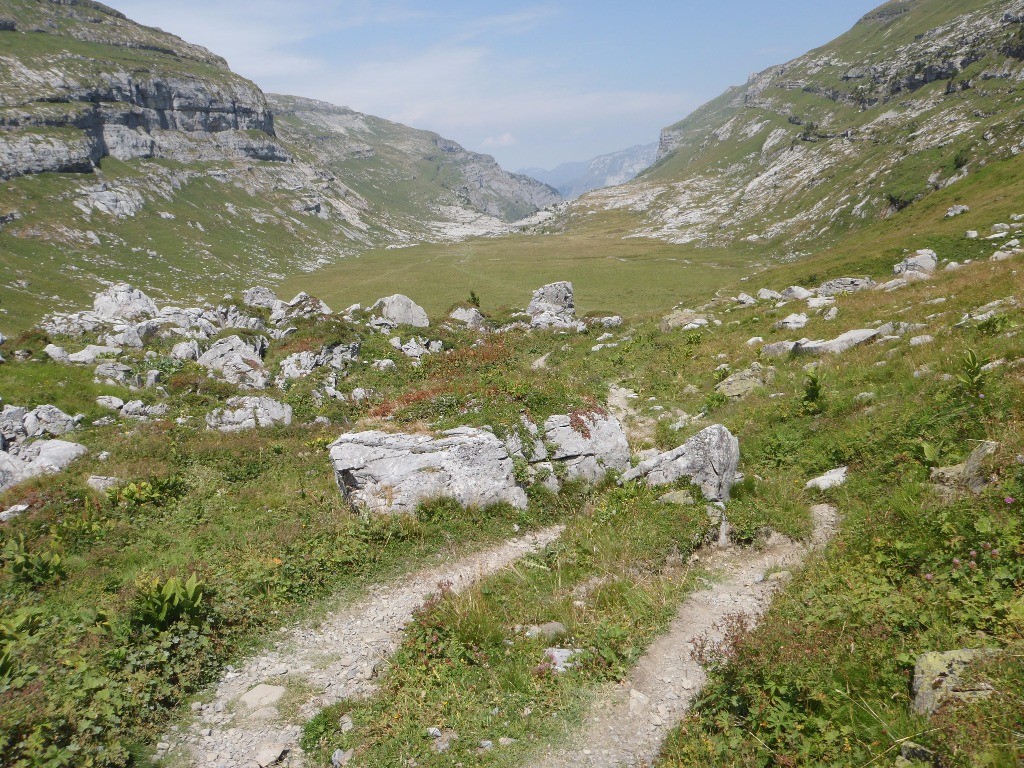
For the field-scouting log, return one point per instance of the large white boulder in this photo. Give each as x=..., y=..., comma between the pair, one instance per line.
x=387, y=472
x=553, y=306
x=709, y=458
x=838, y=345
x=237, y=361
x=588, y=444
x=924, y=262
x=122, y=302
x=399, y=310
x=39, y=458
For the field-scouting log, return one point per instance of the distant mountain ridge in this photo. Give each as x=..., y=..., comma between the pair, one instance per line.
x=574, y=179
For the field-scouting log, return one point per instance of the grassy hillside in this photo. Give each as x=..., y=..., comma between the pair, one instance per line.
x=916, y=97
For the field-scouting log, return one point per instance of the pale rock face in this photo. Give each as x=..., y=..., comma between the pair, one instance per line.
x=709, y=458
x=48, y=420
x=55, y=353
x=399, y=310
x=259, y=297
x=839, y=344
x=778, y=348
x=185, y=350
x=122, y=302
x=249, y=413
x=590, y=447
x=744, y=382
x=831, y=479
x=39, y=458
x=92, y=353
x=798, y=293
x=766, y=294
x=237, y=361
x=553, y=307
x=468, y=316
x=939, y=676
x=116, y=374
x=845, y=285
x=396, y=472
x=110, y=402
x=792, y=322
x=925, y=261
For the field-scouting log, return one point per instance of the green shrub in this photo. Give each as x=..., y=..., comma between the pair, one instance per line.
x=161, y=604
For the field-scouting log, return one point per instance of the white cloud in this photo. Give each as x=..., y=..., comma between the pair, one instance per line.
x=505, y=140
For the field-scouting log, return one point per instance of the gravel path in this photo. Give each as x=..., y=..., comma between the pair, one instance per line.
x=627, y=724
x=255, y=717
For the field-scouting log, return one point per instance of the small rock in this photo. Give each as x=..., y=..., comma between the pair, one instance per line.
x=262, y=695
x=269, y=753
x=831, y=479
x=549, y=631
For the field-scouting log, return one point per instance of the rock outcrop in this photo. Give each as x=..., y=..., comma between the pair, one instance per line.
x=393, y=311
x=553, y=306
x=709, y=459
x=396, y=472
x=241, y=413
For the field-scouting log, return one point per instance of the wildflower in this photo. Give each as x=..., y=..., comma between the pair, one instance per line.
x=974, y=553
x=995, y=554
x=929, y=576
x=986, y=546
x=972, y=565
x=956, y=562
x=1009, y=499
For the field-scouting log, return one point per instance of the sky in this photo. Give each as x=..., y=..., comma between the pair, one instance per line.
x=533, y=83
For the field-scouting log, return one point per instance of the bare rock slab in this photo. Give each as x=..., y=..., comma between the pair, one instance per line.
x=388, y=472
x=709, y=458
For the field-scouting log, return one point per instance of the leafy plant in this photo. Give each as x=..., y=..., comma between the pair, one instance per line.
x=972, y=374
x=812, y=401
x=153, y=492
x=36, y=568
x=162, y=604
x=474, y=299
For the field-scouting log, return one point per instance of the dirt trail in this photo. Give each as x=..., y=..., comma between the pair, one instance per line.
x=627, y=724
x=255, y=717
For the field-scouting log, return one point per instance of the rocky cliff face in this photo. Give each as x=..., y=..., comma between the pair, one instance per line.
x=435, y=173
x=82, y=82
x=917, y=95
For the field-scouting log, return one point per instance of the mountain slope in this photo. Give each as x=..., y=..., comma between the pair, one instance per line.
x=416, y=177
x=574, y=179
x=127, y=153
x=917, y=95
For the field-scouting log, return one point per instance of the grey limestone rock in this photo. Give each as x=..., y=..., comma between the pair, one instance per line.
x=395, y=472
x=587, y=444
x=939, y=677
x=238, y=361
x=243, y=413
x=468, y=316
x=838, y=345
x=742, y=383
x=392, y=311
x=845, y=285
x=553, y=307
x=122, y=302
x=37, y=458
x=709, y=458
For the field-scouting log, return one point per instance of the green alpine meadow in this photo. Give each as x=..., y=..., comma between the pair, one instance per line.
x=327, y=441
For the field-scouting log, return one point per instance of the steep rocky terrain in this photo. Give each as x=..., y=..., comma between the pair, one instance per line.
x=574, y=179
x=919, y=94
x=419, y=181
x=127, y=153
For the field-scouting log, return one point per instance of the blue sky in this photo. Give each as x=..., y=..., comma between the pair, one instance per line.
x=533, y=83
